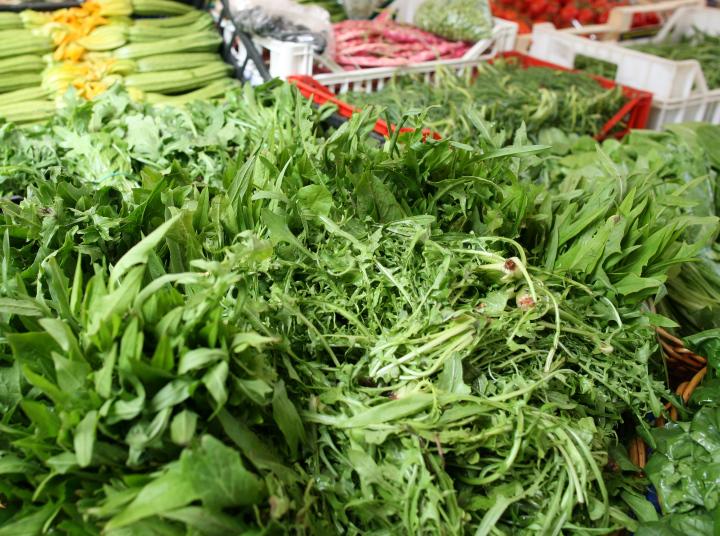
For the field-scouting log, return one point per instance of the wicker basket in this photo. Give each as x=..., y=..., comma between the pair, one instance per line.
x=686, y=370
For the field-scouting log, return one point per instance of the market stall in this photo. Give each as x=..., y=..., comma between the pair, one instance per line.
x=323, y=267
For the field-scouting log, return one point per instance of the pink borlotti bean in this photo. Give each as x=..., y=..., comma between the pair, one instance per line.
x=385, y=43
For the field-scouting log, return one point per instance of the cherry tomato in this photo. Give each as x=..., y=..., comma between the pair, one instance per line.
x=538, y=7
x=553, y=9
x=569, y=12
x=639, y=19
x=586, y=16
x=652, y=19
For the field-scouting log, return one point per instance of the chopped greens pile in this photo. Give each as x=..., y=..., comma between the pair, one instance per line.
x=228, y=319
x=505, y=93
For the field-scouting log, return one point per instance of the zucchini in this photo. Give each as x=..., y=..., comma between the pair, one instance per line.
x=28, y=111
x=160, y=7
x=19, y=81
x=28, y=63
x=140, y=33
x=10, y=21
x=16, y=47
x=172, y=22
x=179, y=81
x=198, y=42
x=115, y=8
x=175, y=62
x=20, y=34
x=22, y=95
x=103, y=38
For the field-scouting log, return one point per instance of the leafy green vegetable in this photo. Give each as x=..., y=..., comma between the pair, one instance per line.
x=504, y=93
x=329, y=337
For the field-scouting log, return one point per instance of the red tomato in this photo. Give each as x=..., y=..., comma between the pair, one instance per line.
x=602, y=7
x=652, y=19
x=603, y=17
x=538, y=7
x=586, y=16
x=639, y=19
x=553, y=9
x=569, y=12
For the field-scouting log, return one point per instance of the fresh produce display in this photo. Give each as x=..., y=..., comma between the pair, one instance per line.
x=504, y=93
x=97, y=45
x=383, y=42
x=230, y=319
x=223, y=311
x=564, y=13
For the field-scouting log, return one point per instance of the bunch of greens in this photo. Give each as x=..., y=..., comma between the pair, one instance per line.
x=504, y=93
x=683, y=154
x=332, y=338
x=110, y=140
x=456, y=20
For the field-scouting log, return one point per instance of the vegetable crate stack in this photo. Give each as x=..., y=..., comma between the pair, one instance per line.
x=170, y=59
x=417, y=37
x=679, y=66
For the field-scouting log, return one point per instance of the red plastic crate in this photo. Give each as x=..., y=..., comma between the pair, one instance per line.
x=312, y=89
x=636, y=110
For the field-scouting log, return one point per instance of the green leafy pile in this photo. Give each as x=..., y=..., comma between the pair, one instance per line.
x=110, y=140
x=685, y=154
x=331, y=337
x=504, y=93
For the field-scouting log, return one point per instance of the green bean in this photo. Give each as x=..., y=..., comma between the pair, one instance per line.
x=504, y=93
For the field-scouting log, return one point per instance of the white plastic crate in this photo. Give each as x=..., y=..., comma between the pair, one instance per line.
x=665, y=112
x=292, y=59
x=286, y=58
x=371, y=80
x=680, y=91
